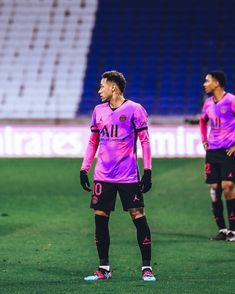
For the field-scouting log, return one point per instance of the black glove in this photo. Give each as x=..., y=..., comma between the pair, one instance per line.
x=84, y=181
x=146, y=181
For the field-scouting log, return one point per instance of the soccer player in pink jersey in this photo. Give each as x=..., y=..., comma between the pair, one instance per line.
x=219, y=109
x=116, y=125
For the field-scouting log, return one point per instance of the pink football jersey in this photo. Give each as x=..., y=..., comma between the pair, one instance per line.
x=117, y=159
x=222, y=121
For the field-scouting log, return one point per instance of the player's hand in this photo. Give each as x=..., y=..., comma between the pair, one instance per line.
x=146, y=181
x=84, y=181
x=205, y=145
x=231, y=151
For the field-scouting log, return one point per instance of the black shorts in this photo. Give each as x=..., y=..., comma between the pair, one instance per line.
x=104, y=196
x=219, y=166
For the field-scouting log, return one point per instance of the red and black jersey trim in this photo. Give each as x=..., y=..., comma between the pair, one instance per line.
x=94, y=129
x=141, y=129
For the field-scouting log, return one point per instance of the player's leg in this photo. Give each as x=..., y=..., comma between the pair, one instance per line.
x=102, y=201
x=228, y=180
x=144, y=241
x=217, y=210
x=132, y=201
x=229, y=194
x=213, y=178
x=143, y=234
x=228, y=176
x=102, y=238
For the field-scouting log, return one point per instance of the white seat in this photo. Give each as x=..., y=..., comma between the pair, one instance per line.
x=21, y=64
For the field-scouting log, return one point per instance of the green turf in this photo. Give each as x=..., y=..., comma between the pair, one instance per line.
x=47, y=234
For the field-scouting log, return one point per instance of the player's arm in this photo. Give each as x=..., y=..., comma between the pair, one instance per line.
x=146, y=150
x=88, y=159
x=231, y=151
x=203, y=123
x=91, y=149
x=146, y=180
x=140, y=121
x=233, y=104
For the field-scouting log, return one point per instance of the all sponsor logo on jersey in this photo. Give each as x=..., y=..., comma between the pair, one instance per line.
x=122, y=118
x=109, y=131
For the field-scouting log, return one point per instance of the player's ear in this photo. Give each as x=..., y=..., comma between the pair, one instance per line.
x=113, y=87
x=216, y=83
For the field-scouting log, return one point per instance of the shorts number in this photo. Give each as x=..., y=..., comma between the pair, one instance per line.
x=97, y=189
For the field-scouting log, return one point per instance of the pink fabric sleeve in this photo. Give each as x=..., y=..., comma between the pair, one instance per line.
x=146, y=150
x=90, y=151
x=203, y=129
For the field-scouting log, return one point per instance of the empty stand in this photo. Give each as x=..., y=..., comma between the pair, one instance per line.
x=164, y=48
x=53, y=52
x=43, y=56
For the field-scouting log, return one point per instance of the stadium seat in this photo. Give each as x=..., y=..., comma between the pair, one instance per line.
x=43, y=56
x=53, y=53
x=163, y=49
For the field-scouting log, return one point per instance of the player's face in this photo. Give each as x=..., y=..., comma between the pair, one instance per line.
x=210, y=84
x=106, y=90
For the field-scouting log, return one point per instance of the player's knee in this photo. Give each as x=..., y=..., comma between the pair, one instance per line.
x=227, y=188
x=213, y=192
x=136, y=212
x=214, y=187
x=213, y=195
x=101, y=213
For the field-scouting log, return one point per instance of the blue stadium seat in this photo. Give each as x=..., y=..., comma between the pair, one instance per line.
x=164, y=48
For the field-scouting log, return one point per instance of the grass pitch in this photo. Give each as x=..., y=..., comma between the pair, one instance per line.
x=47, y=232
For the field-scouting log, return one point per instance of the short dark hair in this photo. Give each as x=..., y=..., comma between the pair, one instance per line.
x=219, y=76
x=116, y=77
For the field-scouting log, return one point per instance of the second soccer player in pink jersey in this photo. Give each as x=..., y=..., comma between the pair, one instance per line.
x=116, y=125
x=219, y=110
